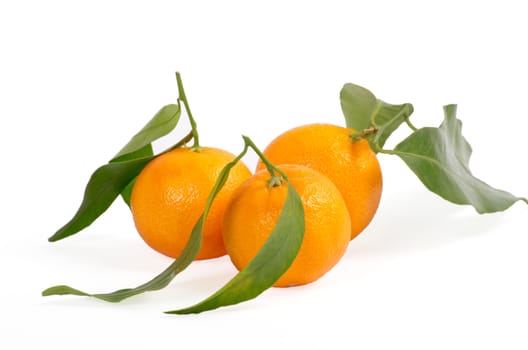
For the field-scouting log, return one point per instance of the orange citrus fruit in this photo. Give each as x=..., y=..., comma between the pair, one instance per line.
x=254, y=209
x=352, y=166
x=169, y=196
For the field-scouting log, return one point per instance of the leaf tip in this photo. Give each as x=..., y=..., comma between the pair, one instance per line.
x=185, y=311
x=246, y=138
x=345, y=85
x=50, y=291
x=57, y=236
x=450, y=109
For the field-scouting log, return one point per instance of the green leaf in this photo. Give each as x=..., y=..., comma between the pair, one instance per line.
x=440, y=158
x=160, y=281
x=145, y=151
x=389, y=118
x=186, y=257
x=160, y=125
x=117, y=177
x=127, y=191
x=359, y=106
x=105, y=184
x=141, y=144
x=362, y=110
x=270, y=263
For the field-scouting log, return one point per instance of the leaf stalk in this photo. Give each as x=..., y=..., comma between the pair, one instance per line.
x=275, y=180
x=409, y=124
x=183, y=98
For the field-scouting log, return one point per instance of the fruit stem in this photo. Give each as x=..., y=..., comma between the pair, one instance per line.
x=275, y=180
x=183, y=98
x=358, y=135
x=182, y=142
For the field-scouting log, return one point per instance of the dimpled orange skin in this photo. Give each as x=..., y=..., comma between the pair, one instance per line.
x=352, y=166
x=169, y=196
x=254, y=210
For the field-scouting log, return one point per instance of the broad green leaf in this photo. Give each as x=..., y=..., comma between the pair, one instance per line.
x=440, y=158
x=186, y=257
x=270, y=263
x=363, y=110
x=160, y=125
x=105, y=184
x=359, y=106
x=389, y=118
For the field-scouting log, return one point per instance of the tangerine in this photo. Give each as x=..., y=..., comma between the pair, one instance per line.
x=352, y=166
x=254, y=209
x=169, y=196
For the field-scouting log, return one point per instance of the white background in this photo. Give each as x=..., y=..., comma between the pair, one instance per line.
x=77, y=80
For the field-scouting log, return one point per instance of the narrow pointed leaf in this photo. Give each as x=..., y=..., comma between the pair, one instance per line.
x=270, y=263
x=440, y=158
x=163, y=279
x=145, y=151
x=160, y=125
x=157, y=283
x=127, y=191
x=117, y=177
x=105, y=184
x=141, y=144
x=363, y=110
